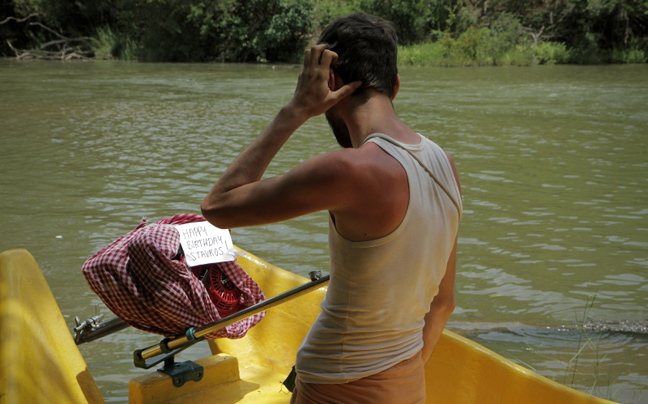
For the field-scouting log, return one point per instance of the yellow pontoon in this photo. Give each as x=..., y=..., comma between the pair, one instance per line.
x=40, y=362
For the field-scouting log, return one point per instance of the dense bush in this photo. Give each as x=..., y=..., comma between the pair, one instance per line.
x=477, y=32
x=501, y=44
x=594, y=31
x=414, y=19
x=173, y=30
x=236, y=31
x=551, y=53
x=326, y=11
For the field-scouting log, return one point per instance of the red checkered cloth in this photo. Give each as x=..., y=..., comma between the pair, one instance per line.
x=140, y=282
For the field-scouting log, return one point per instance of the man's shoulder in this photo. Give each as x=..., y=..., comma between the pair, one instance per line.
x=335, y=168
x=350, y=158
x=365, y=160
x=350, y=170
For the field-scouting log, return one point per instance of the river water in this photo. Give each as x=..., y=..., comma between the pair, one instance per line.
x=553, y=162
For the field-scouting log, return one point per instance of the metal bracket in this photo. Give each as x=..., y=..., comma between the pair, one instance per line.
x=165, y=356
x=94, y=328
x=85, y=326
x=182, y=372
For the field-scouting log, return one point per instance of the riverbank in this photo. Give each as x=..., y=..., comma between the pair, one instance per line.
x=453, y=53
x=486, y=47
x=447, y=52
x=434, y=33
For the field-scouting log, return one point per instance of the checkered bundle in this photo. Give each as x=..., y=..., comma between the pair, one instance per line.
x=139, y=280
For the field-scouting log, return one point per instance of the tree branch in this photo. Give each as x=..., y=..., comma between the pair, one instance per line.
x=64, y=41
x=6, y=20
x=49, y=29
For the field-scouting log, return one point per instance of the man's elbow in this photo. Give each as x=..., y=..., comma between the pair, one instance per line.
x=450, y=307
x=444, y=306
x=211, y=213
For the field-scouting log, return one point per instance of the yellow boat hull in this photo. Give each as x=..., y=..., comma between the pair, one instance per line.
x=41, y=363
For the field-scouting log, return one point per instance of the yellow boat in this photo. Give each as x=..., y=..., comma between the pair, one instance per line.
x=40, y=362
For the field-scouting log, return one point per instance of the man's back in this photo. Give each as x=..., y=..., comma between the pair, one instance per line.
x=381, y=289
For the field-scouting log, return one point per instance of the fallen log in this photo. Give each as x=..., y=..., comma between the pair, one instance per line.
x=62, y=48
x=66, y=53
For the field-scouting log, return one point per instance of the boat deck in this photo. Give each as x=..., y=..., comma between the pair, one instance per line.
x=223, y=382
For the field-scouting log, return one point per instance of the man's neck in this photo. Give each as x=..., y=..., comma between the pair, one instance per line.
x=377, y=115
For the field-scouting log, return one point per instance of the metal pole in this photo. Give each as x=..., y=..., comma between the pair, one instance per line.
x=199, y=333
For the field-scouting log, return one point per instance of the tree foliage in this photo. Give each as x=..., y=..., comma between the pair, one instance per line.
x=588, y=31
x=173, y=30
x=594, y=30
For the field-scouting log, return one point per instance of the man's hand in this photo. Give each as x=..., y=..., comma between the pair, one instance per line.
x=239, y=197
x=316, y=87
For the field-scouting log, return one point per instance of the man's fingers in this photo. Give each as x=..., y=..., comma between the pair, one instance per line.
x=307, y=57
x=316, y=54
x=313, y=92
x=328, y=58
x=346, y=90
x=334, y=58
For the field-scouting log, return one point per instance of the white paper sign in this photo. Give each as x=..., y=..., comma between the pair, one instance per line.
x=204, y=243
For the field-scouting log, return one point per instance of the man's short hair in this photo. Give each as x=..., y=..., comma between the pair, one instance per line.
x=367, y=49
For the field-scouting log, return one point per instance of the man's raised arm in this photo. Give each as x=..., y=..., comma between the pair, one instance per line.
x=231, y=195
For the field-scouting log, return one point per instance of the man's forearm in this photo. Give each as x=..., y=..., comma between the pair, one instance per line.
x=250, y=165
x=235, y=190
x=435, y=322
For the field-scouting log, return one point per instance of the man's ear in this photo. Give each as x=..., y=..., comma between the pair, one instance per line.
x=397, y=86
x=334, y=82
x=331, y=80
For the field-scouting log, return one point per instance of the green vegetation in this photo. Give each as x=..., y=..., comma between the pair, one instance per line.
x=162, y=30
x=484, y=47
x=431, y=32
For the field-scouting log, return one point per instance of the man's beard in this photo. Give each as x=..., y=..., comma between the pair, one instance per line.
x=340, y=129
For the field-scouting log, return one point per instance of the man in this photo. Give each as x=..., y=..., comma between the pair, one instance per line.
x=395, y=206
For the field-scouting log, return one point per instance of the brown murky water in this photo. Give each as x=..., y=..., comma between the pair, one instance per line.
x=553, y=162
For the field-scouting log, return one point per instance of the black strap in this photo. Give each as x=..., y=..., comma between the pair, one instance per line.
x=396, y=143
x=291, y=380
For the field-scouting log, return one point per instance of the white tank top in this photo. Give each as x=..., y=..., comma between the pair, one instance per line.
x=380, y=290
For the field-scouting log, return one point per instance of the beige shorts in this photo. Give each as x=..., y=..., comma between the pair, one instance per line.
x=403, y=383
